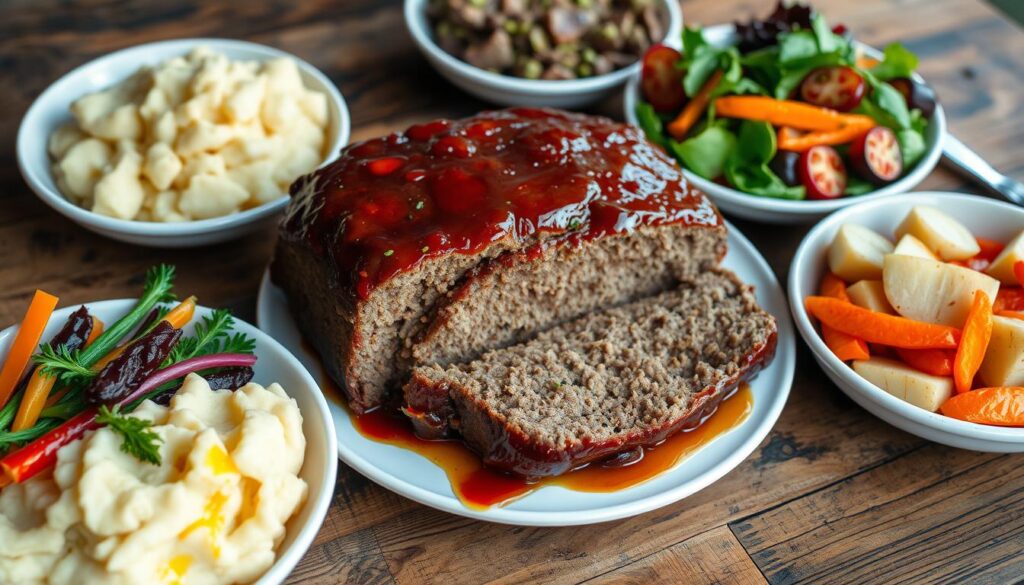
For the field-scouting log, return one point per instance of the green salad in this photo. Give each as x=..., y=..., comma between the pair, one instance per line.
x=790, y=110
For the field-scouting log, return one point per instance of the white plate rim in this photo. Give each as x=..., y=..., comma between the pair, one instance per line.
x=783, y=368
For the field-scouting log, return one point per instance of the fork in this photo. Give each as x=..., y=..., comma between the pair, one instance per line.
x=971, y=164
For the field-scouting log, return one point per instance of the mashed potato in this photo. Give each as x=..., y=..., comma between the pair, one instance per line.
x=212, y=512
x=193, y=138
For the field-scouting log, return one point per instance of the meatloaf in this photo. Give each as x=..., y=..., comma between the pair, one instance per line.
x=606, y=383
x=500, y=225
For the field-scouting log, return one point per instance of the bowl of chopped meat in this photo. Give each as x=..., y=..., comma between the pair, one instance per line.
x=554, y=53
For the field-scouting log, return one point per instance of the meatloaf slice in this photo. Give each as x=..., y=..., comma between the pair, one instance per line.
x=557, y=281
x=600, y=385
x=370, y=243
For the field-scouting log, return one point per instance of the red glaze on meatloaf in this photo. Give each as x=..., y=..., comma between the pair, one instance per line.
x=371, y=241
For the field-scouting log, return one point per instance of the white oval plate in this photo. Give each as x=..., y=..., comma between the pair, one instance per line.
x=274, y=364
x=407, y=473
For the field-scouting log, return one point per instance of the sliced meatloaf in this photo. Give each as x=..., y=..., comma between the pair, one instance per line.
x=372, y=244
x=600, y=385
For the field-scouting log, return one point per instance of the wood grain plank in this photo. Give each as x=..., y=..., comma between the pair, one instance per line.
x=352, y=559
x=935, y=515
x=710, y=558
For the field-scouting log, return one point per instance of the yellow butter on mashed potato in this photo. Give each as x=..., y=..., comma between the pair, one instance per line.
x=194, y=137
x=214, y=511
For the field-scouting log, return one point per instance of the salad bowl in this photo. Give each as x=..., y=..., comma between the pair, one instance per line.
x=788, y=211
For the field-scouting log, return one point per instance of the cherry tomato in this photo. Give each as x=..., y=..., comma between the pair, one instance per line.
x=661, y=81
x=876, y=156
x=822, y=173
x=837, y=87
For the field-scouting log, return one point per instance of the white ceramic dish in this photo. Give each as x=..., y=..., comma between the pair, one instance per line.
x=51, y=110
x=414, y=477
x=783, y=211
x=274, y=364
x=514, y=91
x=985, y=218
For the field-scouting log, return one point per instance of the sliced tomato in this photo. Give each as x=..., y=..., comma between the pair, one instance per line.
x=876, y=156
x=837, y=87
x=822, y=173
x=660, y=80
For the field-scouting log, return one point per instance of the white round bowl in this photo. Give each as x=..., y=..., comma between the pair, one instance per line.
x=514, y=91
x=784, y=211
x=274, y=364
x=986, y=218
x=51, y=110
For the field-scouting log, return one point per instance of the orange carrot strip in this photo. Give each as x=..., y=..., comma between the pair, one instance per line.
x=973, y=342
x=846, y=347
x=1001, y=406
x=937, y=362
x=26, y=342
x=180, y=315
x=103, y=361
x=694, y=108
x=880, y=327
x=36, y=392
x=1018, y=271
x=788, y=113
x=39, y=387
x=55, y=397
x=1009, y=298
x=793, y=140
x=865, y=62
x=97, y=330
x=989, y=248
x=1011, y=314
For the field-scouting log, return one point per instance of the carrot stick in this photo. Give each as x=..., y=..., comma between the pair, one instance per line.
x=880, y=327
x=989, y=248
x=1018, y=271
x=788, y=113
x=1011, y=314
x=792, y=140
x=694, y=108
x=846, y=347
x=973, y=342
x=180, y=315
x=1001, y=406
x=937, y=362
x=26, y=342
x=97, y=330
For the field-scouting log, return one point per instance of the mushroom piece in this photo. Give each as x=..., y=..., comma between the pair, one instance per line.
x=494, y=53
x=568, y=25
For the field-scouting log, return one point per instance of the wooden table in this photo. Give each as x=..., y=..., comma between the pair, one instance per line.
x=832, y=495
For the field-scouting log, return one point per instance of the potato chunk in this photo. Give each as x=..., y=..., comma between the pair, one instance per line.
x=1002, y=267
x=911, y=246
x=857, y=253
x=1004, y=360
x=942, y=234
x=932, y=291
x=870, y=294
x=906, y=383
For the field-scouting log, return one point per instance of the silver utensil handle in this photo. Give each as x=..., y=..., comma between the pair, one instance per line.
x=971, y=164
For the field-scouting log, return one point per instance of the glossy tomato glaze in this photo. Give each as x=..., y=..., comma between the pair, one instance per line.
x=458, y=186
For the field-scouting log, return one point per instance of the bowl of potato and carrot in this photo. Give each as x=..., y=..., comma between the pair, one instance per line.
x=918, y=305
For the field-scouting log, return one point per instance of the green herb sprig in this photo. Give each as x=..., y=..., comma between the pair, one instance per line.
x=138, y=439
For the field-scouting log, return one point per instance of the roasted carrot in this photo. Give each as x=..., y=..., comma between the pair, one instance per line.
x=1018, y=271
x=793, y=140
x=1001, y=406
x=694, y=108
x=973, y=342
x=97, y=330
x=26, y=342
x=788, y=113
x=845, y=347
x=1009, y=298
x=937, y=362
x=880, y=327
x=865, y=62
x=1011, y=314
x=180, y=315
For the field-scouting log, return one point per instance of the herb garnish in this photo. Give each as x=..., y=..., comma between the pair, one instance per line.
x=137, y=438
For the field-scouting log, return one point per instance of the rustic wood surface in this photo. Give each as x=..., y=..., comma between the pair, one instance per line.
x=832, y=495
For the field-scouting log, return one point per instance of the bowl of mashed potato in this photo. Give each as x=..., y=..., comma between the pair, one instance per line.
x=244, y=482
x=180, y=143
